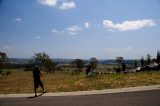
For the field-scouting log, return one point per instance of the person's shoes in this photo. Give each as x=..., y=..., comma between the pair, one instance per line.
x=44, y=92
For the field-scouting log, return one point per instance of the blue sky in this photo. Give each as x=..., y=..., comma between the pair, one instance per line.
x=82, y=29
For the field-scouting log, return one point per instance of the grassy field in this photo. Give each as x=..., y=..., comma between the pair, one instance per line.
x=22, y=81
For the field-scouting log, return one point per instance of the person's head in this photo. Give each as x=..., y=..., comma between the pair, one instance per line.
x=36, y=67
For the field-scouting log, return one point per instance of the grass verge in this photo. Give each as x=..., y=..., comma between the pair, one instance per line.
x=22, y=82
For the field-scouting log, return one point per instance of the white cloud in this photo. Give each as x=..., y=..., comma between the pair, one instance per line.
x=72, y=33
x=63, y=4
x=37, y=37
x=18, y=19
x=55, y=31
x=48, y=2
x=87, y=25
x=128, y=25
x=73, y=29
x=67, y=5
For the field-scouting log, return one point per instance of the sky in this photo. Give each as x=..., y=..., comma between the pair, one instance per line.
x=104, y=29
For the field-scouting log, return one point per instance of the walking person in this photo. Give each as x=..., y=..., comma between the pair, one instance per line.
x=37, y=81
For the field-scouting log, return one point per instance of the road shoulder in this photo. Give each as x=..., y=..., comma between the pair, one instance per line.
x=117, y=90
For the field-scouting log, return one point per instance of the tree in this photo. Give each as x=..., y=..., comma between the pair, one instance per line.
x=142, y=62
x=119, y=61
x=78, y=63
x=158, y=56
x=43, y=61
x=93, y=63
x=135, y=64
x=49, y=65
x=154, y=60
x=148, y=59
x=3, y=60
x=40, y=58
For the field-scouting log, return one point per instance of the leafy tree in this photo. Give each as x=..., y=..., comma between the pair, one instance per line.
x=78, y=63
x=93, y=63
x=148, y=59
x=40, y=58
x=119, y=61
x=3, y=60
x=154, y=60
x=158, y=56
x=49, y=65
x=44, y=62
x=135, y=64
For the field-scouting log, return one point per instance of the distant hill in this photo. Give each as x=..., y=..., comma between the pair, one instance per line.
x=114, y=61
x=65, y=61
x=26, y=60
x=107, y=61
x=19, y=60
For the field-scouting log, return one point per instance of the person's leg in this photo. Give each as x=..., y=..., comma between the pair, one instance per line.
x=35, y=88
x=35, y=91
x=41, y=85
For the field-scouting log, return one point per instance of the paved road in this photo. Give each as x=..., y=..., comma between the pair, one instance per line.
x=138, y=98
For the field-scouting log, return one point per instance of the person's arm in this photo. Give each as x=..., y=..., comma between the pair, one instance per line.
x=40, y=73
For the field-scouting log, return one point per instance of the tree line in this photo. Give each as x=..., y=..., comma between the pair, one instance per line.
x=47, y=64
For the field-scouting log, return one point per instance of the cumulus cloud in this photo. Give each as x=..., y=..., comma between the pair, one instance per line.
x=87, y=25
x=128, y=25
x=48, y=2
x=62, y=4
x=67, y=5
x=55, y=30
x=18, y=19
x=73, y=29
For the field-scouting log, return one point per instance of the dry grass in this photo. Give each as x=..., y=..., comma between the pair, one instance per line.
x=22, y=82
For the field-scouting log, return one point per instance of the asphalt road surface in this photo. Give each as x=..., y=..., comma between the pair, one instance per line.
x=138, y=98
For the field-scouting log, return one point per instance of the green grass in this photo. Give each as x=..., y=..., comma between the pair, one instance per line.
x=22, y=81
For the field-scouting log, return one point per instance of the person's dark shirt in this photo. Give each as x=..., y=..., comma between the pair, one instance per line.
x=36, y=74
